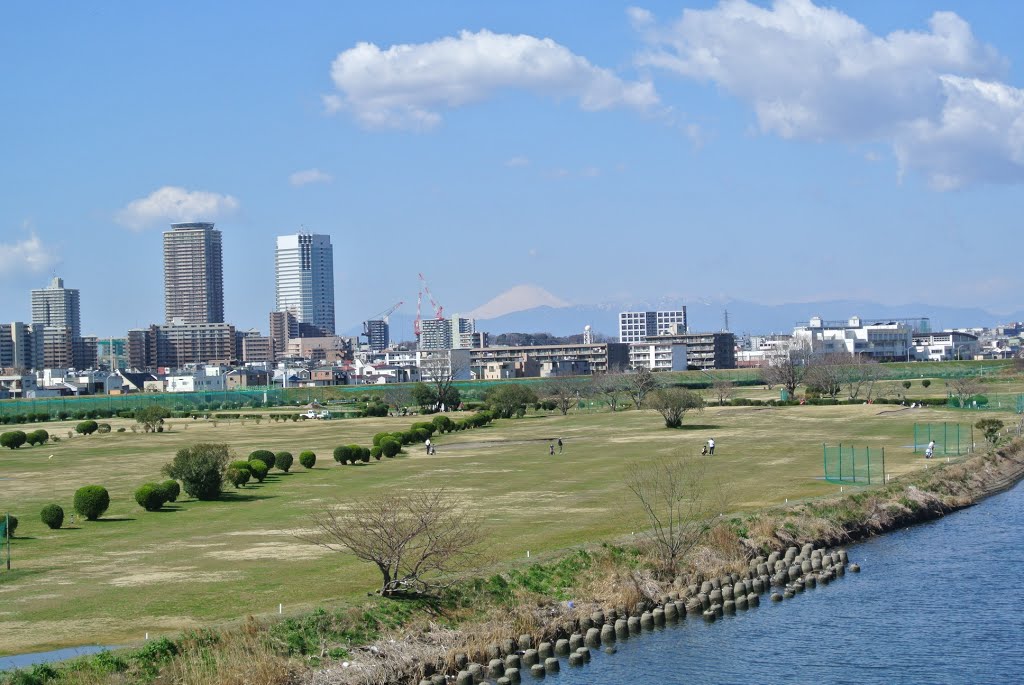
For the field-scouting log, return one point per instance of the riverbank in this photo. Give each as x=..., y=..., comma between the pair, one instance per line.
x=394, y=641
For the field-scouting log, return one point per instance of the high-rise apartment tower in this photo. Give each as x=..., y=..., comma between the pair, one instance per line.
x=193, y=274
x=304, y=267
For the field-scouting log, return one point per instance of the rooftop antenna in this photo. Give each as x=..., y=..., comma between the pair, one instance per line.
x=726, y=329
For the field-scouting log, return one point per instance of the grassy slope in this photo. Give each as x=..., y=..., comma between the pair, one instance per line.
x=111, y=581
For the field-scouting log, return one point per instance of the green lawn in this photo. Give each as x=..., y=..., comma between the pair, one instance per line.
x=111, y=581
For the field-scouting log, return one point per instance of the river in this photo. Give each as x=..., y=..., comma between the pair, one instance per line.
x=940, y=602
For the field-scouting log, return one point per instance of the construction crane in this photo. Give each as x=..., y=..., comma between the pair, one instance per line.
x=438, y=309
x=383, y=316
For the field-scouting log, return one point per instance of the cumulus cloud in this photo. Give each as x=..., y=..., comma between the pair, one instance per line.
x=814, y=73
x=175, y=204
x=29, y=255
x=405, y=86
x=307, y=176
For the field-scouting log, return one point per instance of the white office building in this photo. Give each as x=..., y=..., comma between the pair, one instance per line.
x=304, y=270
x=885, y=340
x=636, y=326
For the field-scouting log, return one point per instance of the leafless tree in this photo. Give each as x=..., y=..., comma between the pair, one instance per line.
x=673, y=403
x=415, y=539
x=964, y=388
x=609, y=387
x=723, y=389
x=677, y=504
x=861, y=377
x=826, y=373
x=787, y=371
x=565, y=393
x=398, y=396
x=442, y=370
x=639, y=384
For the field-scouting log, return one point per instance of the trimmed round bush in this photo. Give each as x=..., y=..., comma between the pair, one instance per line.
x=53, y=516
x=379, y=437
x=408, y=437
x=91, y=501
x=13, y=523
x=390, y=447
x=171, y=490
x=283, y=460
x=307, y=459
x=422, y=434
x=266, y=456
x=37, y=437
x=259, y=469
x=238, y=477
x=341, y=454
x=87, y=427
x=241, y=465
x=150, y=497
x=364, y=454
x=376, y=452
x=13, y=439
x=103, y=428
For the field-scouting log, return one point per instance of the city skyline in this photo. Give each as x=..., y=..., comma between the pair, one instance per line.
x=304, y=279
x=878, y=165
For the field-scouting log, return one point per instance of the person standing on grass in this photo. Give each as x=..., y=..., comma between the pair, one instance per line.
x=559, y=445
x=711, y=447
x=551, y=449
x=428, y=445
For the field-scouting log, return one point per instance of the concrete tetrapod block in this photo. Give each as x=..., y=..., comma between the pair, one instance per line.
x=855, y=568
x=464, y=678
x=647, y=621
x=659, y=616
x=575, y=659
x=597, y=617
x=727, y=592
x=562, y=647
x=753, y=600
x=806, y=567
x=503, y=681
x=477, y=671
x=461, y=661
x=710, y=616
x=844, y=557
x=593, y=638
x=608, y=634
x=794, y=572
x=508, y=646
x=530, y=657
x=513, y=661
x=575, y=641
x=537, y=670
x=816, y=564
x=717, y=608
x=551, y=665
x=715, y=597
x=495, y=668
x=810, y=581
x=586, y=624
x=493, y=651
x=729, y=607
x=776, y=597
x=525, y=642
x=425, y=682
x=694, y=606
x=634, y=625
x=772, y=558
x=839, y=569
x=741, y=602
x=545, y=650
x=758, y=586
x=621, y=628
x=705, y=600
x=513, y=675
x=671, y=612
x=788, y=593
x=583, y=652
x=716, y=584
x=438, y=679
x=681, y=609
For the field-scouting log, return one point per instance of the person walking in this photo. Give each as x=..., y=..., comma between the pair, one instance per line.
x=929, y=450
x=711, y=447
x=551, y=448
x=428, y=445
x=559, y=445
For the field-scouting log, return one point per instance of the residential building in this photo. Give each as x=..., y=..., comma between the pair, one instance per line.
x=21, y=345
x=56, y=305
x=463, y=332
x=600, y=357
x=112, y=353
x=257, y=349
x=304, y=281
x=327, y=349
x=193, y=274
x=658, y=356
x=240, y=379
x=638, y=326
x=884, y=340
x=199, y=382
x=945, y=346
x=378, y=334
x=435, y=334
x=178, y=344
x=700, y=350
x=327, y=375
x=283, y=327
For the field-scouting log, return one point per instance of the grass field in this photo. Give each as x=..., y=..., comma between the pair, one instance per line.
x=197, y=563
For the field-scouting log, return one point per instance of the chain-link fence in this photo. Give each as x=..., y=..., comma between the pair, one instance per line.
x=852, y=465
x=950, y=439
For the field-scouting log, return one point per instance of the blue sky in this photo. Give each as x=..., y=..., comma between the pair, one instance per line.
x=773, y=152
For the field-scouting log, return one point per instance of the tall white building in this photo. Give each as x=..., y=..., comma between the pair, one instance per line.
x=193, y=274
x=636, y=326
x=304, y=267
x=56, y=305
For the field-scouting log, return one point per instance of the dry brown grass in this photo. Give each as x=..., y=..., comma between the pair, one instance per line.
x=241, y=657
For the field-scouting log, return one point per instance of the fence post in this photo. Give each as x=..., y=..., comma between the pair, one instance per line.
x=824, y=459
x=883, y=465
x=945, y=442
x=869, y=465
x=840, y=461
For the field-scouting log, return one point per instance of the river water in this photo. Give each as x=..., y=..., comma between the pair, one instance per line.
x=942, y=602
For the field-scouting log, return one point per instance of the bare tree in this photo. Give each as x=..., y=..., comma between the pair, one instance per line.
x=827, y=372
x=564, y=392
x=787, y=371
x=723, y=389
x=964, y=388
x=862, y=375
x=442, y=370
x=673, y=403
x=415, y=539
x=639, y=384
x=674, y=496
x=609, y=387
x=398, y=396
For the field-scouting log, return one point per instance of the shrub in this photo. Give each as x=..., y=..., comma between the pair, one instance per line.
x=390, y=447
x=200, y=468
x=13, y=523
x=150, y=497
x=103, y=428
x=307, y=459
x=376, y=452
x=171, y=490
x=53, y=516
x=422, y=434
x=283, y=460
x=925, y=383
x=91, y=501
x=364, y=454
x=379, y=437
x=342, y=454
x=443, y=424
x=13, y=439
x=238, y=477
x=37, y=437
x=266, y=456
x=87, y=427
x=259, y=469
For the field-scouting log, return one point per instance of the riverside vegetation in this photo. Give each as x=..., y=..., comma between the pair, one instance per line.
x=569, y=498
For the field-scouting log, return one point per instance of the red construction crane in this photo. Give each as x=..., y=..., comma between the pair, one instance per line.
x=416, y=323
x=438, y=309
x=383, y=316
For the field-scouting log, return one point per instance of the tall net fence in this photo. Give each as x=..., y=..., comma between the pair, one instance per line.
x=989, y=402
x=852, y=465
x=946, y=439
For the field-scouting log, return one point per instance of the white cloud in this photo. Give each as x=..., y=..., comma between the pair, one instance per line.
x=26, y=256
x=405, y=85
x=307, y=176
x=517, y=162
x=639, y=17
x=815, y=73
x=175, y=204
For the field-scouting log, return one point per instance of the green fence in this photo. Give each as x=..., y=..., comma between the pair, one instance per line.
x=950, y=438
x=990, y=402
x=852, y=465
